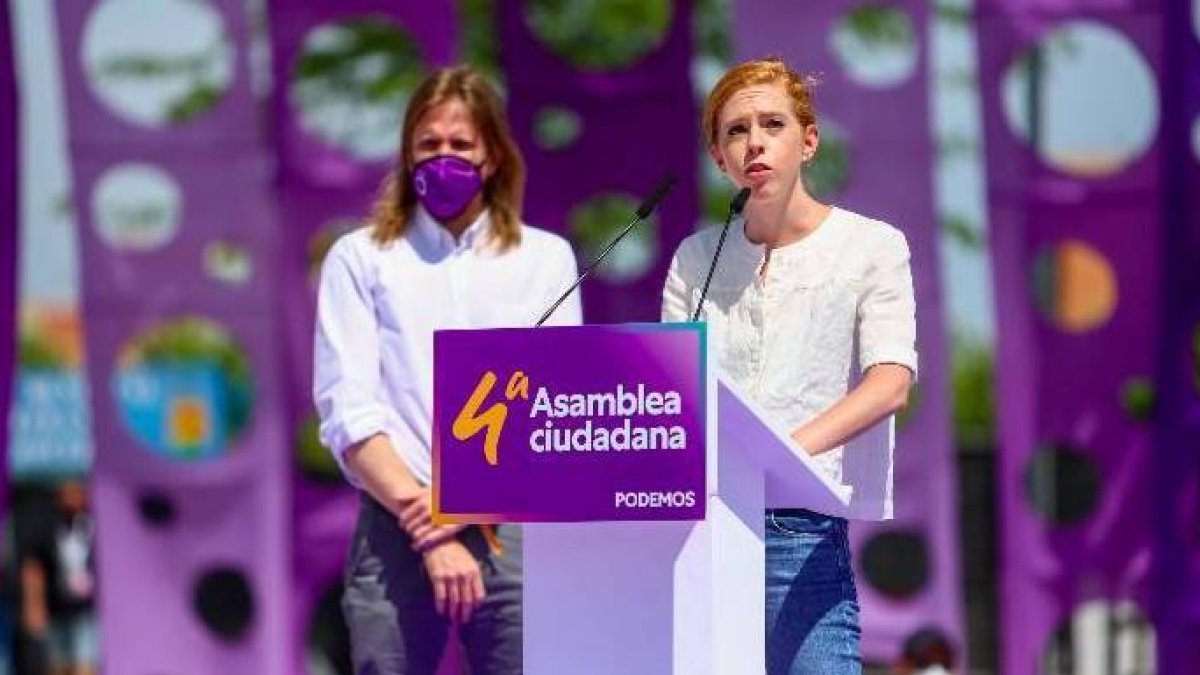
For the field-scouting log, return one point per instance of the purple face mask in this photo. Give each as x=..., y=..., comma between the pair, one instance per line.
x=445, y=185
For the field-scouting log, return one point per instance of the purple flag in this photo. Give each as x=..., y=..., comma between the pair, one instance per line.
x=178, y=249
x=1177, y=514
x=342, y=75
x=631, y=126
x=873, y=107
x=1077, y=258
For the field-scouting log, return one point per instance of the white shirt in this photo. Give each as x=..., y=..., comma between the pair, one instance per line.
x=789, y=337
x=378, y=307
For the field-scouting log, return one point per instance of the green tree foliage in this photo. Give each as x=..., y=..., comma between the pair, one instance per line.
x=199, y=70
x=477, y=21
x=36, y=353
x=973, y=384
x=334, y=65
x=880, y=26
x=600, y=34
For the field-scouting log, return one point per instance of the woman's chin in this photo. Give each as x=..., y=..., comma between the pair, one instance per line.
x=762, y=189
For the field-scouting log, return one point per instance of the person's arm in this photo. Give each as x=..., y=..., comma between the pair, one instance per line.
x=346, y=372
x=386, y=477
x=887, y=336
x=380, y=471
x=35, y=614
x=346, y=381
x=882, y=392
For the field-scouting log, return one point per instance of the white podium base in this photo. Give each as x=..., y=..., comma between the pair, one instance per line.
x=649, y=598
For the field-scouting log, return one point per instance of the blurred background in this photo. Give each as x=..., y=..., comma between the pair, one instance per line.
x=172, y=172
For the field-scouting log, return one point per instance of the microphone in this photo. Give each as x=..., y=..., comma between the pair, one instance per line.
x=642, y=212
x=735, y=209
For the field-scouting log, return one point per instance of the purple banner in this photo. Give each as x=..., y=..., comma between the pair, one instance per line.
x=178, y=245
x=526, y=431
x=609, y=107
x=1177, y=437
x=335, y=122
x=320, y=51
x=871, y=93
x=10, y=218
x=1078, y=261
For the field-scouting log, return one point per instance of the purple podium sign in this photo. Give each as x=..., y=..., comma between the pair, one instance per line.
x=580, y=423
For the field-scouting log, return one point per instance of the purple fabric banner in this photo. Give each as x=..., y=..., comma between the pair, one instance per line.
x=873, y=115
x=306, y=37
x=530, y=433
x=10, y=219
x=1077, y=275
x=342, y=72
x=635, y=124
x=1177, y=482
x=178, y=248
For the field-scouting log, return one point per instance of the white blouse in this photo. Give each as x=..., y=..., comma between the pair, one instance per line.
x=789, y=337
x=377, y=310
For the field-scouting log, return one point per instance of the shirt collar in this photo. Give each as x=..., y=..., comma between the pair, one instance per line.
x=740, y=245
x=432, y=233
x=744, y=248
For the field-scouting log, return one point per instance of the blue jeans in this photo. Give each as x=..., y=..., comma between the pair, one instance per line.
x=812, y=604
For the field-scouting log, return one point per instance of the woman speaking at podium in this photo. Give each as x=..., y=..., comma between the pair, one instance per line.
x=800, y=287
x=445, y=248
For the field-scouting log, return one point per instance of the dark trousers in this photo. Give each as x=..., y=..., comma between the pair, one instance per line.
x=388, y=604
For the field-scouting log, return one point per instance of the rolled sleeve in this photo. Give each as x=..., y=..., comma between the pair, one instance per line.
x=887, y=328
x=346, y=358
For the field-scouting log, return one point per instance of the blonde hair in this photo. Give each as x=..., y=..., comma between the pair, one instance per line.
x=503, y=191
x=759, y=72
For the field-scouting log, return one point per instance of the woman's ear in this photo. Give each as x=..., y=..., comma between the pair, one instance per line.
x=716, y=157
x=812, y=141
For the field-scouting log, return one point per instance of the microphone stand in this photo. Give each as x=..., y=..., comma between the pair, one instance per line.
x=643, y=211
x=735, y=208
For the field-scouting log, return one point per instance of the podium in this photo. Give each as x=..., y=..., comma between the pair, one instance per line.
x=632, y=597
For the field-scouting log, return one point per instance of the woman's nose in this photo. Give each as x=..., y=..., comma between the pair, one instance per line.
x=755, y=140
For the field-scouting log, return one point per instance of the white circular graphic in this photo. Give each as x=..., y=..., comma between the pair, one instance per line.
x=876, y=45
x=228, y=262
x=157, y=62
x=352, y=82
x=596, y=222
x=136, y=207
x=1097, y=101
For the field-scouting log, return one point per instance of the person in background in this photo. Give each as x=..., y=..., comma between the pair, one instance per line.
x=445, y=248
x=58, y=585
x=926, y=652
